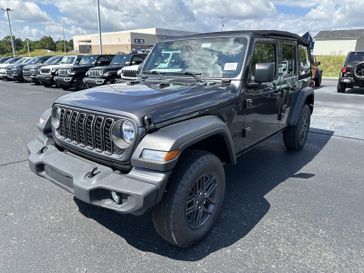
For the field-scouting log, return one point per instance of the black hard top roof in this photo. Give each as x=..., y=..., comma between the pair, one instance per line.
x=256, y=33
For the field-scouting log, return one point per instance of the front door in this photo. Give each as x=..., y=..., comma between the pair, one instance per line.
x=261, y=108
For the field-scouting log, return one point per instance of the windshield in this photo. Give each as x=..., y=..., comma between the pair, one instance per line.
x=11, y=61
x=355, y=57
x=21, y=61
x=67, y=60
x=52, y=60
x=33, y=60
x=121, y=59
x=219, y=57
x=86, y=60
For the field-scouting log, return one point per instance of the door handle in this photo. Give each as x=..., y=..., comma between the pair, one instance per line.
x=248, y=103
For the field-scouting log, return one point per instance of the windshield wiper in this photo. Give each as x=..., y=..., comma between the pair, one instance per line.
x=193, y=74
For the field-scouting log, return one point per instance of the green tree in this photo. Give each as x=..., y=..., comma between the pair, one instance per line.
x=47, y=42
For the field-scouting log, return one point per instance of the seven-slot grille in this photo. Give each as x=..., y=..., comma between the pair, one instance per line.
x=129, y=73
x=95, y=73
x=87, y=130
x=45, y=70
x=26, y=71
x=62, y=72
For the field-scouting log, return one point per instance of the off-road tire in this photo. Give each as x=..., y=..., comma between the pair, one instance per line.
x=170, y=218
x=295, y=136
x=80, y=84
x=341, y=87
x=318, y=80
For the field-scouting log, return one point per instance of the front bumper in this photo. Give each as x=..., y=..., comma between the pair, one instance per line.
x=64, y=81
x=92, y=82
x=45, y=79
x=92, y=182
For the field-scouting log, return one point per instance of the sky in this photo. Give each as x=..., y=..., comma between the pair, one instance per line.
x=34, y=19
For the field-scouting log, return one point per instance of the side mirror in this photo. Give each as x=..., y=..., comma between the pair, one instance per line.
x=318, y=63
x=264, y=72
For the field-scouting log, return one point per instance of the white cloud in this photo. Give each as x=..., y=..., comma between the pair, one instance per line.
x=25, y=11
x=79, y=16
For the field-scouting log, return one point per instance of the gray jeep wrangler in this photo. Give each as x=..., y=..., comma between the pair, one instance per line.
x=161, y=143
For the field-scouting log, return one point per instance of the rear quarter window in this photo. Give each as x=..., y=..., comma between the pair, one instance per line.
x=355, y=58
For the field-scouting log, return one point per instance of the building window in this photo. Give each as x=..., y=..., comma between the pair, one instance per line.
x=139, y=41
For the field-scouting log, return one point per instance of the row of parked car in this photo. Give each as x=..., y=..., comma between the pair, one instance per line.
x=72, y=71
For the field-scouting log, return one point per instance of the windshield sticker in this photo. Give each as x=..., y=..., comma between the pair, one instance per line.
x=205, y=45
x=230, y=66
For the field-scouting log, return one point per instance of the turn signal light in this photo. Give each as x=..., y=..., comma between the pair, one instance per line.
x=343, y=70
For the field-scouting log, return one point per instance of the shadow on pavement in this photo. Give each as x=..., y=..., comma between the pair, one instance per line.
x=257, y=173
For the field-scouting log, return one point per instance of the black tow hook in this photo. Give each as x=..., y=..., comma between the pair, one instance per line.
x=93, y=172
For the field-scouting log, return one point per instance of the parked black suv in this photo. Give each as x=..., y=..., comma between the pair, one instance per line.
x=108, y=74
x=162, y=143
x=352, y=73
x=29, y=69
x=69, y=77
x=15, y=71
x=47, y=73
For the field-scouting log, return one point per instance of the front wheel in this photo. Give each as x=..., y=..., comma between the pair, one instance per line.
x=193, y=199
x=295, y=136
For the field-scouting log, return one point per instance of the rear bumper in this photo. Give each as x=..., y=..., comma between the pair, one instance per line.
x=92, y=82
x=64, y=81
x=92, y=182
x=351, y=81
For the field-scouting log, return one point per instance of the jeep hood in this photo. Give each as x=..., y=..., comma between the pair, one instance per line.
x=160, y=104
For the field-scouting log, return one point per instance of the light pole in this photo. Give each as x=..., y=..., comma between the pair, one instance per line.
x=222, y=18
x=99, y=25
x=11, y=32
x=64, y=41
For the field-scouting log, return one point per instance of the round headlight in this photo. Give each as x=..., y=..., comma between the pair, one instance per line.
x=56, y=117
x=101, y=72
x=123, y=133
x=69, y=71
x=128, y=132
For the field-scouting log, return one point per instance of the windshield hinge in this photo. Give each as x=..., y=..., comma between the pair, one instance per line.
x=148, y=123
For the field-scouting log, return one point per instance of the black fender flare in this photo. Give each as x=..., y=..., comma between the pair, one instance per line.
x=181, y=136
x=300, y=100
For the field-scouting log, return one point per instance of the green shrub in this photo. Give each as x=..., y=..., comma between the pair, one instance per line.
x=331, y=65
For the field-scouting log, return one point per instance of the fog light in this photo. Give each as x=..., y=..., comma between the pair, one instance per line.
x=116, y=197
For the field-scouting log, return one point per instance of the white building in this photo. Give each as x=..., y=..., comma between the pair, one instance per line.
x=123, y=41
x=338, y=42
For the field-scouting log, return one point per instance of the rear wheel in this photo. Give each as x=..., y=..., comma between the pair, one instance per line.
x=193, y=199
x=341, y=87
x=295, y=136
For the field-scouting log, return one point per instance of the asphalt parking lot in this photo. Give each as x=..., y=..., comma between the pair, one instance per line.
x=283, y=212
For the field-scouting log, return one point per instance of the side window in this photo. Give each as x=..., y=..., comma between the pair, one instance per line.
x=288, y=65
x=137, y=59
x=263, y=53
x=304, y=60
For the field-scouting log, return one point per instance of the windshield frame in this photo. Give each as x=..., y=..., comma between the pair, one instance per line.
x=240, y=69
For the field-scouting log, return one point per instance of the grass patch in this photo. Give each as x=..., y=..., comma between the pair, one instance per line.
x=331, y=65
